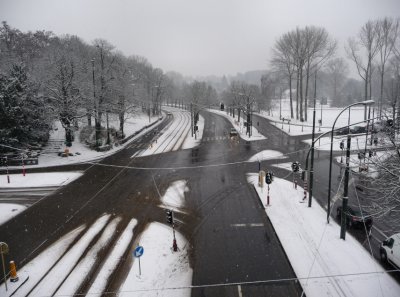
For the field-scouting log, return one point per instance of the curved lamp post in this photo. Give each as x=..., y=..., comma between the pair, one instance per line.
x=365, y=103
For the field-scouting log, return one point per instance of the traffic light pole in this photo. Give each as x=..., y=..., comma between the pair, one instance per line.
x=346, y=191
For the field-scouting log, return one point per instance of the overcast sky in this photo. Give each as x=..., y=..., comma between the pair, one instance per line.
x=195, y=37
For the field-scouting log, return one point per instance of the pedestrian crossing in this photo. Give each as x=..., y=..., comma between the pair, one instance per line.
x=138, y=145
x=216, y=138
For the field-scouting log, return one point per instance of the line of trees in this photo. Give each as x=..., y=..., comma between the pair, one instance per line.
x=375, y=51
x=46, y=78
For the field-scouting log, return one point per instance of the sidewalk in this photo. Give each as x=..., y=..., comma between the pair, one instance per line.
x=324, y=264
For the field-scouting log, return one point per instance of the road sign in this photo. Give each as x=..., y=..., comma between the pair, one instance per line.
x=138, y=251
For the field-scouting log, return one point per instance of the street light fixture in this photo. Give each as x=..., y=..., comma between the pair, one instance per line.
x=365, y=103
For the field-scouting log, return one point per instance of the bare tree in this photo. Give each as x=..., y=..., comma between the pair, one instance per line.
x=388, y=32
x=337, y=69
x=283, y=61
x=366, y=44
x=320, y=47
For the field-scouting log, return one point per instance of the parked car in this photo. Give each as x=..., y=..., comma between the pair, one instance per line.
x=358, y=129
x=233, y=132
x=354, y=217
x=390, y=250
x=342, y=131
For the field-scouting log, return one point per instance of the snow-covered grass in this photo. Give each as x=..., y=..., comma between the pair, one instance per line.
x=256, y=135
x=325, y=264
x=357, y=142
x=30, y=180
x=161, y=268
x=329, y=115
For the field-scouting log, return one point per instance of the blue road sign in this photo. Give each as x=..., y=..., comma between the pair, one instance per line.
x=138, y=251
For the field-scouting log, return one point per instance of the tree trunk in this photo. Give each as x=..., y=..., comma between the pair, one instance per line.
x=291, y=97
x=381, y=95
x=301, y=95
x=297, y=95
x=306, y=97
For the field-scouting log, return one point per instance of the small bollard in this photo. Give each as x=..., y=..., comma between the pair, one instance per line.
x=13, y=272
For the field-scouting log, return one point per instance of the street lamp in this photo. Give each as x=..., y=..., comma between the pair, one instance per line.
x=365, y=103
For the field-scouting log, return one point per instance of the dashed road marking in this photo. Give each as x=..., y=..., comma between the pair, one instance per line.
x=248, y=225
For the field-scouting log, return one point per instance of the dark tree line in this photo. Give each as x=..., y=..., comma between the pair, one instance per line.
x=46, y=78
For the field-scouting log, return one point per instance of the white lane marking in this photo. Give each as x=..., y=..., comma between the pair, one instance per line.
x=248, y=225
x=257, y=225
x=240, y=291
x=135, y=154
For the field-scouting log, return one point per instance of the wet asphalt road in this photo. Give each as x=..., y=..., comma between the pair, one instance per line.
x=232, y=239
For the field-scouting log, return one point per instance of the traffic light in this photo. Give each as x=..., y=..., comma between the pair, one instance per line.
x=342, y=145
x=295, y=166
x=170, y=216
x=268, y=178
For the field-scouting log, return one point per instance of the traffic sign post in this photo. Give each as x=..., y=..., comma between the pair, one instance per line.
x=4, y=250
x=138, y=252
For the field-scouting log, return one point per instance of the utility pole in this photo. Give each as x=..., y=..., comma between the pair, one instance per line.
x=346, y=188
x=191, y=117
x=312, y=144
x=248, y=116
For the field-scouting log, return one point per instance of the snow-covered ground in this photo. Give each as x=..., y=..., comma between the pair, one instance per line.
x=53, y=179
x=81, y=152
x=328, y=117
x=176, y=135
x=266, y=155
x=324, y=264
x=174, y=197
x=50, y=179
x=256, y=135
x=162, y=270
x=60, y=270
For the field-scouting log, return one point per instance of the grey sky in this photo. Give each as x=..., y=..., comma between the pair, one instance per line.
x=195, y=37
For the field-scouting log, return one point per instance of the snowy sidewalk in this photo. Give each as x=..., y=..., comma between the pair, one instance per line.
x=324, y=264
